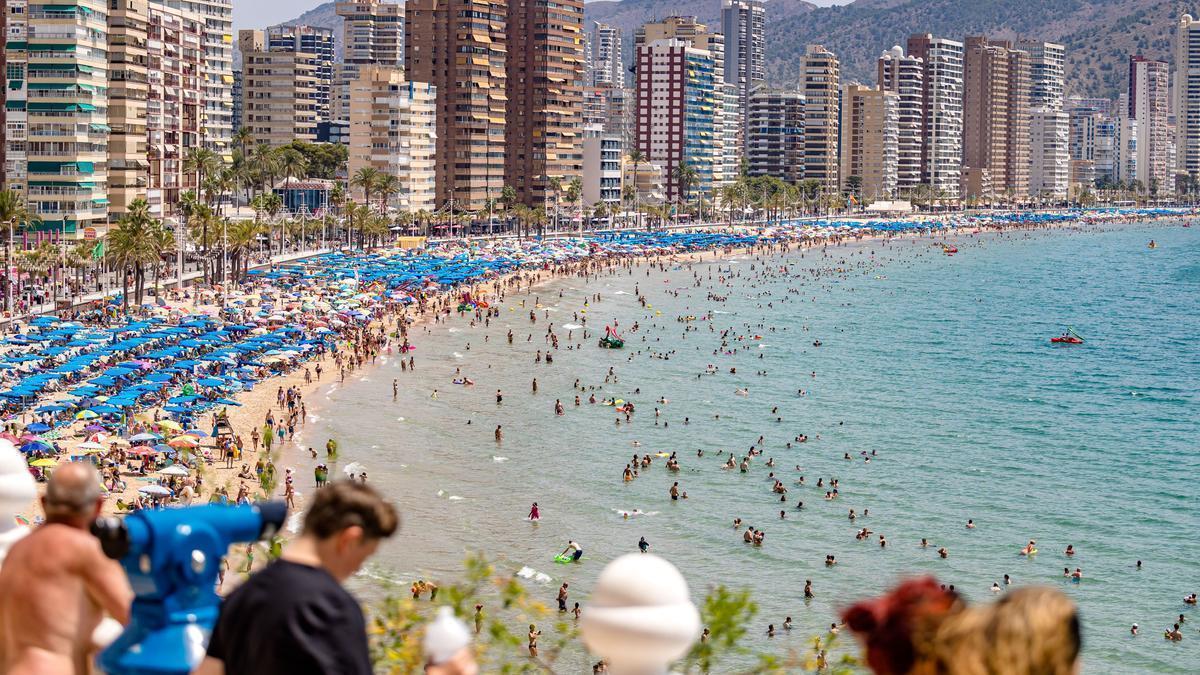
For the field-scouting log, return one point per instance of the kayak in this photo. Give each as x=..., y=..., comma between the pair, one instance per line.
x=1067, y=340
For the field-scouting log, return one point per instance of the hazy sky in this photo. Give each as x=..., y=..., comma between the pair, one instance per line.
x=262, y=13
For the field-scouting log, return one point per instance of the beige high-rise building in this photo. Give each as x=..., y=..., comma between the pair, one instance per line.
x=393, y=129
x=156, y=94
x=821, y=79
x=996, y=121
x=128, y=167
x=459, y=47
x=870, y=143
x=544, y=86
x=280, y=90
x=372, y=34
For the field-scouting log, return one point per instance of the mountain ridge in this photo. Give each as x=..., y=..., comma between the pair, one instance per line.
x=1099, y=35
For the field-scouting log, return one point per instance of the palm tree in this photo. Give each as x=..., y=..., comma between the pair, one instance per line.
x=638, y=158
x=292, y=164
x=243, y=235
x=42, y=261
x=243, y=138
x=574, y=195
x=375, y=227
x=367, y=179
x=686, y=178
x=264, y=163
x=134, y=243
x=202, y=162
x=386, y=186
x=15, y=213
x=357, y=213
x=554, y=186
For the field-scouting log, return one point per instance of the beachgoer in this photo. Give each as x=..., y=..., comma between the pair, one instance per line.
x=57, y=584
x=297, y=604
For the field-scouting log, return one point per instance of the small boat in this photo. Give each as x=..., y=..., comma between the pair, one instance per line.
x=950, y=250
x=1069, y=337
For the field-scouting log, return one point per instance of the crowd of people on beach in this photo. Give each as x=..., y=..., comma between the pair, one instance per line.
x=178, y=369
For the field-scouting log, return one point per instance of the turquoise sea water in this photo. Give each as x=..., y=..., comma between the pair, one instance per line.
x=939, y=364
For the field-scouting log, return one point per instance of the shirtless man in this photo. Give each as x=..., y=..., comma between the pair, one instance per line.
x=57, y=584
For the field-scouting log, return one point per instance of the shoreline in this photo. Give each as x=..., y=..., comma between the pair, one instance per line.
x=260, y=400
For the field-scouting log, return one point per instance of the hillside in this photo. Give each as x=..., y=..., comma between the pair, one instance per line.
x=1099, y=34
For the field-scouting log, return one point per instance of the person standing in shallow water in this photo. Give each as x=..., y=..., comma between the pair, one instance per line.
x=534, y=513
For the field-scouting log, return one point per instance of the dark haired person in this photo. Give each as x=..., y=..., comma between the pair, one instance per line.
x=294, y=617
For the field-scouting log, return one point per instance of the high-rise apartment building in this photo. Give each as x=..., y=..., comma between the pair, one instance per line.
x=1047, y=66
x=1050, y=164
x=509, y=77
x=678, y=92
x=607, y=61
x=393, y=127
x=1049, y=168
x=459, y=47
x=1148, y=105
x=216, y=72
x=56, y=129
x=775, y=139
x=317, y=45
x=870, y=143
x=1187, y=96
x=683, y=28
x=941, y=111
x=238, y=99
x=544, y=86
x=730, y=151
x=743, y=23
x=602, y=155
x=1125, y=150
x=611, y=110
x=156, y=92
x=4, y=168
x=128, y=91
x=372, y=34
x=905, y=75
x=821, y=82
x=282, y=90
x=996, y=118
x=1106, y=142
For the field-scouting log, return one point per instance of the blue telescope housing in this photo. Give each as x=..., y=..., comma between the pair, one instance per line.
x=172, y=557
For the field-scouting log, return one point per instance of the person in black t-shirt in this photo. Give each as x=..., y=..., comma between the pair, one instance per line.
x=294, y=617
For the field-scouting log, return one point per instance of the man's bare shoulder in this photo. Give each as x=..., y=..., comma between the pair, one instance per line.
x=57, y=544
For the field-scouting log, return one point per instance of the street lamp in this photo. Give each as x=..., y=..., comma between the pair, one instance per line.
x=640, y=618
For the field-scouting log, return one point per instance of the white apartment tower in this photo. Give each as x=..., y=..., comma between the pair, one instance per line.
x=941, y=111
x=904, y=76
x=1187, y=96
x=743, y=23
x=606, y=60
x=1148, y=106
x=1049, y=170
